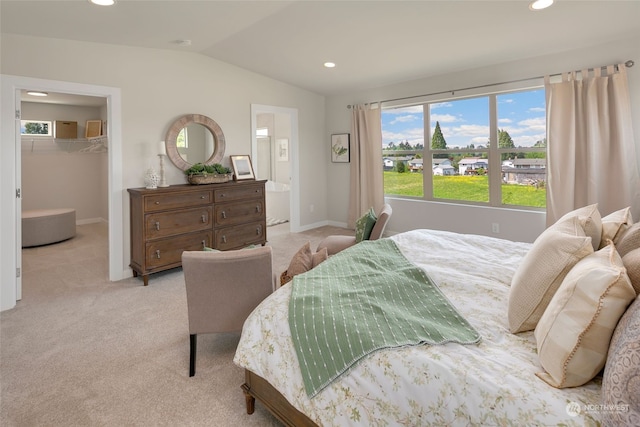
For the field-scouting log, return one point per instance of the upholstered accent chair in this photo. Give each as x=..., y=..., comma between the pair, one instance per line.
x=337, y=243
x=223, y=288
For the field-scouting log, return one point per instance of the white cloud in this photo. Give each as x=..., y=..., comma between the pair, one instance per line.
x=441, y=105
x=443, y=118
x=405, y=119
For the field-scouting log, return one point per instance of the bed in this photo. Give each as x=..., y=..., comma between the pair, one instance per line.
x=489, y=382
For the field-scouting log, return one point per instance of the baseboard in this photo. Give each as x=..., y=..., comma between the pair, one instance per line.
x=91, y=221
x=338, y=224
x=311, y=226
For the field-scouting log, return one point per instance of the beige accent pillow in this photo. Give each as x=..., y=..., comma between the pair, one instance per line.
x=574, y=332
x=302, y=261
x=630, y=240
x=614, y=225
x=542, y=270
x=631, y=262
x=319, y=256
x=592, y=222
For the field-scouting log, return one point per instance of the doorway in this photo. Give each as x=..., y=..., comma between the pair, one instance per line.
x=70, y=149
x=10, y=185
x=274, y=149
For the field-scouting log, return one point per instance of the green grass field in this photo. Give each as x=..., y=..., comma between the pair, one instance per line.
x=471, y=188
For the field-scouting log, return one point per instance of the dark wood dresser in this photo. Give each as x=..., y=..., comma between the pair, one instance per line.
x=167, y=221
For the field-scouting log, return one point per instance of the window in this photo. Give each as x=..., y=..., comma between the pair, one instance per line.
x=488, y=150
x=35, y=128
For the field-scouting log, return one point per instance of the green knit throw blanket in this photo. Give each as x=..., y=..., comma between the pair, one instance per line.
x=366, y=298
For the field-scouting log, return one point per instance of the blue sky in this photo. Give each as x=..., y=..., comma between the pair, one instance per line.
x=466, y=121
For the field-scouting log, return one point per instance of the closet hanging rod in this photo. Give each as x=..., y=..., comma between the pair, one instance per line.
x=628, y=64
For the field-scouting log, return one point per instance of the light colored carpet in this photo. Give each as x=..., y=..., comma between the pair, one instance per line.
x=79, y=350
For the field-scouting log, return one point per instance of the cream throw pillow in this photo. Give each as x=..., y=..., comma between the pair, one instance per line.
x=592, y=222
x=630, y=240
x=574, y=332
x=542, y=270
x=614, y=225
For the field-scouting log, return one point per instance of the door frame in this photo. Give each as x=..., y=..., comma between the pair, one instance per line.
x=10, y=179
x=294, y=171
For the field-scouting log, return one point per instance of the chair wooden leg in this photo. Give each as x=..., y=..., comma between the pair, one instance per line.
x=192, y=356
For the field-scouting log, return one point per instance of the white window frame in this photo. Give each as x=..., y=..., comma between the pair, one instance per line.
x=493, y=151
x=49, y=124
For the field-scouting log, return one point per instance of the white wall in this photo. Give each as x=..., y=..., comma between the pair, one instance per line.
x=514, y=224
x=158, y=86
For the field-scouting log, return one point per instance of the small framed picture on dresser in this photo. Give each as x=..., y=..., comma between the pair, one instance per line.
x=242, y=168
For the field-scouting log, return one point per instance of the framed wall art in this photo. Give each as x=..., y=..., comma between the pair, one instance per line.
x=282, y=148
x=93, y=128
x=242, y=168
x=340, y=150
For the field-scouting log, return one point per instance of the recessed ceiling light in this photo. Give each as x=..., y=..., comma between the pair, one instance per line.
x=103, y=2
x=540, y=4
x=329, y=64
x=37, y=93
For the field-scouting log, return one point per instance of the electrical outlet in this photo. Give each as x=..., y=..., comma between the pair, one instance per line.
x=495, y=227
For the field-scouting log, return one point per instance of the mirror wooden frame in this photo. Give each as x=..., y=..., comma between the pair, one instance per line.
x=178, y=125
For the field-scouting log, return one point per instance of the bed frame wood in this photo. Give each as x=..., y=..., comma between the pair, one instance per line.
x=256, y=387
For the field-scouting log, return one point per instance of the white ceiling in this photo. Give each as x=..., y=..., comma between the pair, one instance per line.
x=374, y=43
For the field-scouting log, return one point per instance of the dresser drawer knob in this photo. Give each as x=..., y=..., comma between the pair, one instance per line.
x=204, y=219
x=158, y=225
x=258, y=230
x=157, y=203
x=258, y=208
x=158, y=253
x=203, y=244
x=202, y=197
x=224, y=214
x=224, y=239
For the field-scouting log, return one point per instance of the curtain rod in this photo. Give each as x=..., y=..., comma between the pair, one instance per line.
x=627, y=64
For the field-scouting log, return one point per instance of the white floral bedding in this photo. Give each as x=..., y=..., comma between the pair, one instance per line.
x=491, y=383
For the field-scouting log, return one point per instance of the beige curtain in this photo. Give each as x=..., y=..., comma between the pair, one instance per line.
x=591, y=149
x=366, y=189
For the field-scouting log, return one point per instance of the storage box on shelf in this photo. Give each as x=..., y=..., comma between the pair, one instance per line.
x=167, y=221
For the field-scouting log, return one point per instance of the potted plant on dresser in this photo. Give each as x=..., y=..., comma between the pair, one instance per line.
x=208, y=174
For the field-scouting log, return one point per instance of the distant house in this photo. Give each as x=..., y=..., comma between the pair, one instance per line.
x=387, y=163
x=416, y=165
x=437, y=162
x=524, y=171
x=469, y=165
x=530, y=163
x=444, y=170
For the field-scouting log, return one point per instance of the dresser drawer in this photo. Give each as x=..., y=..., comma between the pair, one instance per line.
x=241, y=192
x=239, y=236
x=238, y=213
x=160, y=202
x=168, y=252
x=171, y=223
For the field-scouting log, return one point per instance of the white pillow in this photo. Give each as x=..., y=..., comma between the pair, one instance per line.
x=592, y=222
x=542, y=270
x=614, y=225
x=574, y=332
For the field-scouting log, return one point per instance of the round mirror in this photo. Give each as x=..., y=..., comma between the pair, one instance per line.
x=192, y=139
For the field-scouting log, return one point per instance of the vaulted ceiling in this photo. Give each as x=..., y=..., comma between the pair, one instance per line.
x=373, y=43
